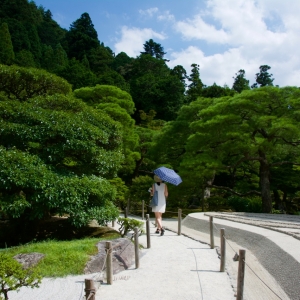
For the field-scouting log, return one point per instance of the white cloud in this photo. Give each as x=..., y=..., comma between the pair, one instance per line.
x=133, y=39
x=166, y=16
x=254, y=33
x=218, y=68
x=149, y=12
x=198, y=29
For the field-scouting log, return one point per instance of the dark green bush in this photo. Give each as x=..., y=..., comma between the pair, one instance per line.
x=241, y=204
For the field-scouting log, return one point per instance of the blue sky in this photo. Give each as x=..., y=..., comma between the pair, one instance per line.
x=220, y=36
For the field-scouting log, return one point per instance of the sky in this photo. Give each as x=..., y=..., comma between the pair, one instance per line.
x=221, y=36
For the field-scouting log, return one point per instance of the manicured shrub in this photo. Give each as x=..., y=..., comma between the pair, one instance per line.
x=13, y=276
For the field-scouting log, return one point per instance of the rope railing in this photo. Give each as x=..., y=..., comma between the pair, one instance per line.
x=236, y=255
x=236, y=258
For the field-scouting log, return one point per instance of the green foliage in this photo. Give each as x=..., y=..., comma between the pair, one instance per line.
x=263, y=78
x=240, y=82
x=100, y=59
x=7, y=54
x=103, y=94
x=77, y=74
x=127, y=225
x=24, y=58
x=211, y=137
x=111, y=77
x=24, y=83
x=35, y=44
x=48, y=62
x=216, y=91
x=154, y=49
x=82, y=37
x=139, y=191
x=153, y=87
x=29, y=189
x=49, y=31
x=55, y=152
x=18, y=33
x=122, y=63
x=216, y=203
x=118, y=105
x=13, y=276
x=180, y=72
x=60, y=57
x=122, y=192
x=241, y=204
x=195, y=87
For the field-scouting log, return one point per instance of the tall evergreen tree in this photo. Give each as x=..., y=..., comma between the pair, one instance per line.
x=196, y=85
x=7, y=54
x=82, y=37
x=25, y=58
x=263, y=78
x=100, y=59
x=60, y=57
x=19, y=35
x=180, y=72
x=48, y=61
x=154, y=88
x=154, y=49
x=50, y=32
x=240, y=82
x=122, y=63
x=35, y=43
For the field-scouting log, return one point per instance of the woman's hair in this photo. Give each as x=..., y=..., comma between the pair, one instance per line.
x=157, y=179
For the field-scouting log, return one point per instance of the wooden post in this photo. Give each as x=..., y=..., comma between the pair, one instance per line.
x=223, y=249
x=179, y=221
x=143, y=207
x=241, y=275
x=136, y=247
x=148, y=231
x=109, y=270
x=211, y=227
x=90, y=290
x=113, y=223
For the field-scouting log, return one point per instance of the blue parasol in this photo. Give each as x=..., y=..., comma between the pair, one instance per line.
x=168, y=175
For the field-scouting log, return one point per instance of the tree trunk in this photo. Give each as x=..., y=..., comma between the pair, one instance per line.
x=265, y=184
x=278, y=204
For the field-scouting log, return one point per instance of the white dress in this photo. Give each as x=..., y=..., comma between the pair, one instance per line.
x=161, y=207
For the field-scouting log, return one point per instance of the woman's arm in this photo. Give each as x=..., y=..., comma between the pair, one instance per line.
x=152, y=191
x=166, y=191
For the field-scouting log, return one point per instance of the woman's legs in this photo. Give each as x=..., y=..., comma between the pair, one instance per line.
x=158, y=217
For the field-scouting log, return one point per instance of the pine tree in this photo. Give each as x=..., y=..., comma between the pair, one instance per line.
x=154, y=49
x=240, y=82
x=196, y=85
x=60, y=57
x=82, y=37
x=7, y=54
x=48, y=61
x=263, y=78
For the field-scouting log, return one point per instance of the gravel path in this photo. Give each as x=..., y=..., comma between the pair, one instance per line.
x=282, y=266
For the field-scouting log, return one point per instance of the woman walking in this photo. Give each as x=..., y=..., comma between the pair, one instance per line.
x=158, y=210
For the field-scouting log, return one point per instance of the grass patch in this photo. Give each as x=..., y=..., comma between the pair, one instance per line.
x=66, y=249
x=62, y=258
